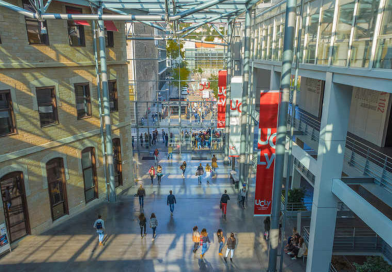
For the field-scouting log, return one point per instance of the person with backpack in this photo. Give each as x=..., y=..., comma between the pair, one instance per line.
x=208, y=172
x=171, y=200
x=199, y=173
x=196, y=239
x=204, y=240
x=223, y=203
x=99, y=225
x=231, y=244
x=267, y=227
x=142, y=224
x=159, y=174
x=156, y=153
x=151, y=172
x=153, y=225
x=221, y=241
x=141, y=193
x=183, y=168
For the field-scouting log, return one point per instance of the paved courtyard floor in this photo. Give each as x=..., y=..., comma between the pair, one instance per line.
x=73, y=245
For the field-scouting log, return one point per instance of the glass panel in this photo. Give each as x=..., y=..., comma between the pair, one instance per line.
x=6, y=124
x=56, y=192
x=113, y=98
x=88, y=175
x=384, y=48
x=86, y=159
x=90, y=195
x=82, y=95
x=325, y=32
x=343, y=28
x=312, y=31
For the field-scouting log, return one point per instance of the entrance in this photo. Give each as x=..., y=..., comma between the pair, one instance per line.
x=15, y=205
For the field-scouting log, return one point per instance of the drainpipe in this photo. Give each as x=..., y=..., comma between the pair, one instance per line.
x=99, y=105
x=228, y=93
x=106, y=107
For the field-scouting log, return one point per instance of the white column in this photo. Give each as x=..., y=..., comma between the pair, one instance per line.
x=296, y=179
x=333, y=132
x=275, y=80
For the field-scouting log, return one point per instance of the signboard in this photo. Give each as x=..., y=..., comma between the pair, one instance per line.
x=222, y=84
x=269, y=104
x=310, y=96
x=235, y=116
x=206, y=94
x=4, y=239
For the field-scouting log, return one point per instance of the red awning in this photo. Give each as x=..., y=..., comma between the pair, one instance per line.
x=77, y=11
x=110, y=26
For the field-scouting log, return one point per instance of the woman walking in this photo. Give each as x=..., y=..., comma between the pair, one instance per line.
x=183, y=168
x=267, y=227
x=156, y=153
x=221, y=241
x=208, y=172
x=159, y=174
x=205, y=240
x=153, y=225
x=199, y=173
x=196, y=239
x=152, y=174
x=231, y=244
x=142, y=224
x=214, y=165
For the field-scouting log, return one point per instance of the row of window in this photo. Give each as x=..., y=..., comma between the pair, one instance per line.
x=13, y=193
x=47, y=105
x=37, y=32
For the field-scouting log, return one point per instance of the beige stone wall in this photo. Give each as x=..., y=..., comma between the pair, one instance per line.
x=25, y=67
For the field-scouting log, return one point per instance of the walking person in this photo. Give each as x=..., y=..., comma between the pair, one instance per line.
x=205, y=241
x=141, y=139
x=153, y=225
x=199, y=173
x=171, y=200
x=208, y=172
x=99, y=225
x=196, y=238
x=231, y=244
x=221, y=241
x=142, y=224
x=159, y=174
x=166, y=139
x=163, y=136
x=267, y=227
x=141, y=193
x=170, y=153
x=243, y=196
x=223, y=203
x=214, y=165
x=183, y=168
x=156, y=153
x=152, y=174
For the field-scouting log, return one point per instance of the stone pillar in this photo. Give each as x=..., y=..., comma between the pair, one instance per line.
x=333, y=133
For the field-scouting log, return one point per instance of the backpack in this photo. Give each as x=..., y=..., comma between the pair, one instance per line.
x=99, y=225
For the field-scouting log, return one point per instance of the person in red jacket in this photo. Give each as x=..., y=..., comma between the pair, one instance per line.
x=152, y=174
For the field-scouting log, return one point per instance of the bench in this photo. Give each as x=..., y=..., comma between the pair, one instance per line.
x=234, y=178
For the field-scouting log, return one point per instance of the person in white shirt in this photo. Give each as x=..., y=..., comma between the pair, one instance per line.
x=99, y=225
x=243, y=196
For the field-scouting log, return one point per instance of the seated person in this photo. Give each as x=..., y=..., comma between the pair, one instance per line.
x=299, y=250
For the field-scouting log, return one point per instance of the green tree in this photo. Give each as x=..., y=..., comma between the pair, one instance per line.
x=180, y=73
x=199, y=70
x=373, y=264
x=209, y=39
x=213, y=80
x=173, y=50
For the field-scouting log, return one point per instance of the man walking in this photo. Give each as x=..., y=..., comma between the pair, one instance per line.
x=243, y=196
x=141, y=193
x=163, y=136
x=223, y=203
x=99, y=225
x=171, y=200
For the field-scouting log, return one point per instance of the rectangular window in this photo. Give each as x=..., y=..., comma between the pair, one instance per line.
x=36, y=31
x=76, y=28
x=57, y=188
x=325, y=32
x=7, y=119
x=314, y=16
x=109, y=35
x=117, y=163
x=113, y=96
x=83, y=100
x=383, y=57
x=47, y=107
x=89, y=174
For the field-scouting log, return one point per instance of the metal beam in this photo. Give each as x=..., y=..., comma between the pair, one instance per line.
x=220, y=34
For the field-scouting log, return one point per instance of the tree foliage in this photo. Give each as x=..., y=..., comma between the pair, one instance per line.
x=180, y=73
x=373, y=264
x=173, y=50
x=213, y=80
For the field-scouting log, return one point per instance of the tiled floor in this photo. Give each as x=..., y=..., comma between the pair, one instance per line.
x=72, y=246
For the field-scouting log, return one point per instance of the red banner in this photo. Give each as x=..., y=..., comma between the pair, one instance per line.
x=222, y=83
x=269, y=103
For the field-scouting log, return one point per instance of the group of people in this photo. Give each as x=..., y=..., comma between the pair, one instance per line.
x=201, y=239
x=155, y=173
x=147, y=140
x=296, y=246
x=201, y=139
x=208, y=170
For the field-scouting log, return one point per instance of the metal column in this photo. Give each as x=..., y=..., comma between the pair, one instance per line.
x=228, y=93
x=287, y=62
x=244, y=107
x=106, y=107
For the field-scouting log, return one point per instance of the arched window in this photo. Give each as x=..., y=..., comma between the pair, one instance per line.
x=15, y=205
x=57, y=188
x=89, y=174
x=117, y=163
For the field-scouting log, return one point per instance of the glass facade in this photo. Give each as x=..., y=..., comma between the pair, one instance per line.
x=337, y=33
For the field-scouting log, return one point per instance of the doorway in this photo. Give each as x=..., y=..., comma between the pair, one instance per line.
x=15, y=205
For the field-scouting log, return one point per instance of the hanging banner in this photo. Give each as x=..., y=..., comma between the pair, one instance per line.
x=222, y=84
x=4, y=239
x=269, y=104
x=235, y=116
